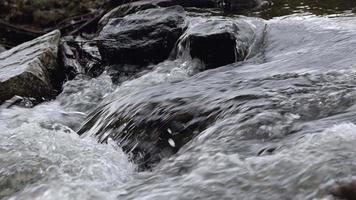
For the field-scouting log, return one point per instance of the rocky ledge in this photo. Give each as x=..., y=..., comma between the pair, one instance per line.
x=30, y=69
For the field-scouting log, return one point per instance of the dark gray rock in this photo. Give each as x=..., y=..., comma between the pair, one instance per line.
x=144, y=37
x=344, y=190
x=79, y=56
x=136, y=6
x=217, y=42
x=132, y=7
x=127, y=9
x=18, y=101
x=151, y=124
x=30, y=69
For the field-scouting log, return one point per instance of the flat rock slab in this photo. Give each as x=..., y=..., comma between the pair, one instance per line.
x=27, y=70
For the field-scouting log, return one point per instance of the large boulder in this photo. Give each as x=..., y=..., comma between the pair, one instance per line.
x=30, y=69
x=217, y=42
x=144, y=37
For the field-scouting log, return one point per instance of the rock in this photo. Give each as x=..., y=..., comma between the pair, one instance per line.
x=345, y=190
x=151, y=124
x=136, y=6
x=217, y=42
x=30, y=69
x=79, y=56
x=18, y=101
x=128, y=8
x=2, y=49
x=144, y=37
x=69, y=60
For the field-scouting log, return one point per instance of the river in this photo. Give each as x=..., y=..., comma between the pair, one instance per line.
x=284, y=126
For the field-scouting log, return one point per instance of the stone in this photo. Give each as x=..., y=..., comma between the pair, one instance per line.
x=132, y=7
x=344, y=190
x=30, y=69
x=79, y=56
x=124, y=8
x=142, y=38
x=151, y=124
x=217, y=42
x=19, y=102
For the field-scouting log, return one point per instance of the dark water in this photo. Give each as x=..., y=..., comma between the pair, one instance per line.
x=283, y=127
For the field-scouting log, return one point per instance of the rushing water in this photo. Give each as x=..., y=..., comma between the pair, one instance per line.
x=283, y=127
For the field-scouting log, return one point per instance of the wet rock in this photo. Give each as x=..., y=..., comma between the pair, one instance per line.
x=132, y=7
x=144, y=37
x=30, y=69
x=79, y=56
x=346, y=191
x=136, y=6
x=69, y=60
x=217, y=42
x=150, y=124
x=23, y=102
x=126, y=9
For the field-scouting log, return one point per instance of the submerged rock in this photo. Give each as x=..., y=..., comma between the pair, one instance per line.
x=144, y=37
x=217, y=42
x=30, y=69
x=153, y=126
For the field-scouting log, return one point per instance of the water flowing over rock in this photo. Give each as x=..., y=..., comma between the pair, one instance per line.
x=279, y=124
x=30, y=69
x=217, y=42
x=154, y=122
x=144, y=37
x=135, y=6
